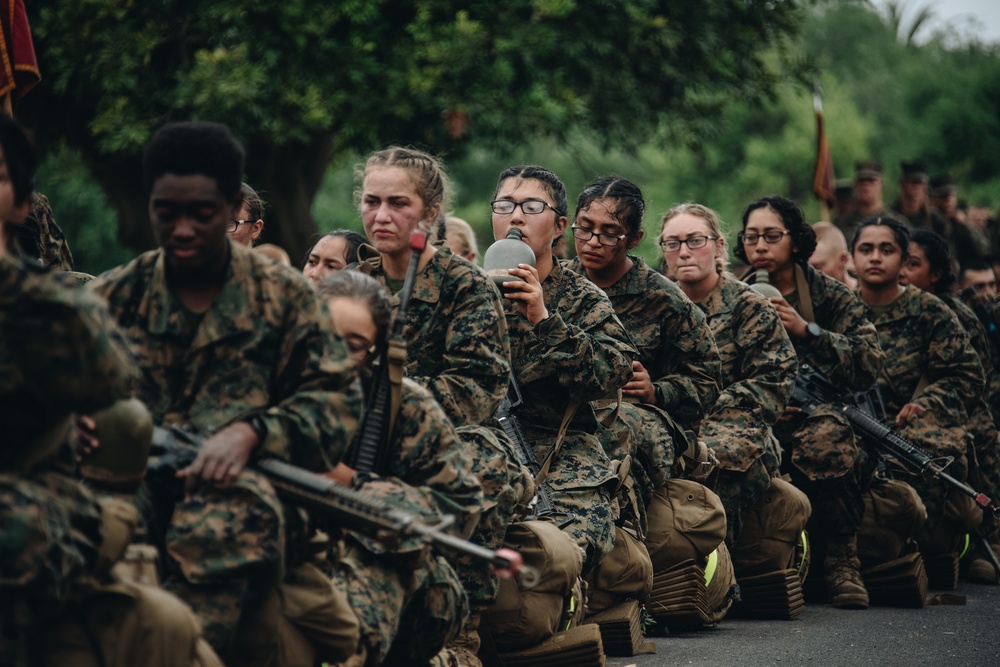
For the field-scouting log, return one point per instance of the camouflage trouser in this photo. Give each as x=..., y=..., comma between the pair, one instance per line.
x=940, y=437
x=649, y=436
x=225, y=549
x=410, y=605
x=503, y=482
x=747, y=456
x=826, y=461
x=984, y=474
x=582, y=483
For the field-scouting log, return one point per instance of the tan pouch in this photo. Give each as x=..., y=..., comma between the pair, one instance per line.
x=626, y=572
x=685, y=521
x=772, y=531
x=893, y=516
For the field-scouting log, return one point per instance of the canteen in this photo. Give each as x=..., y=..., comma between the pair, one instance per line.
x=505, y=255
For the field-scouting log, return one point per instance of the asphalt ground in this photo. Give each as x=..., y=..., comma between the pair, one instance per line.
x=949, y=636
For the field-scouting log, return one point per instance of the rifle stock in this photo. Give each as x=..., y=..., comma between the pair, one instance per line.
x=175, y=449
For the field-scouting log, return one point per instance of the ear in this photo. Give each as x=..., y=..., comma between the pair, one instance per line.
x=258, y=227
x=935, y=277
x=636, y=239
x=432, y=213
x=561, y=222
x=720, y=244
x=844, y=258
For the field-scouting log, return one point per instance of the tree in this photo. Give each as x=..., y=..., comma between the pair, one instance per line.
x=301, y=81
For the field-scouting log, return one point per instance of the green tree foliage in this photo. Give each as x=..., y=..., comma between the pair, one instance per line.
x=301, y=82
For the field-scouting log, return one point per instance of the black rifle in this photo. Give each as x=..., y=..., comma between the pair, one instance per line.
x=812, y=389
x=370, y=451
x=174, y=449
x=511, y=425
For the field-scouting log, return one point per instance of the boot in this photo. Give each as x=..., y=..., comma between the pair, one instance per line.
x=843, y=575
x=463, y=648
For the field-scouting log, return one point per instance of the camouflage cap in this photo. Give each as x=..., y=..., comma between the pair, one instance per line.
x=867, y=169
x=914, y=171
x=942, y=185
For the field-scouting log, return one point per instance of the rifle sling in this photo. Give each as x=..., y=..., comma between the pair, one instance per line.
x=547, y=463
x=805, y=300
x=397, y=363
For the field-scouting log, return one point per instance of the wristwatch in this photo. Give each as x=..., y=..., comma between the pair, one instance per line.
x=257, y=424
x=813, y=330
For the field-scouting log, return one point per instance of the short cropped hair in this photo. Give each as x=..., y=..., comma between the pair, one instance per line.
x=195, y=148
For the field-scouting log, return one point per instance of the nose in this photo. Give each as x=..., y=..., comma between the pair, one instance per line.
x=592, y=242
x=382, y=214
x=183, y=227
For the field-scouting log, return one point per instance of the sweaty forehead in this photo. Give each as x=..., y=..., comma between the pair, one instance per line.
x=524, y=188
x=389, y=182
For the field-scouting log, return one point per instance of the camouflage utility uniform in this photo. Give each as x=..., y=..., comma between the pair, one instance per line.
x=676, y=348
x=925, y=345
x=407, y=598
x=264, y=348
x=59, y=353
x=821, y=452
x=758, y=372
x=577, y=354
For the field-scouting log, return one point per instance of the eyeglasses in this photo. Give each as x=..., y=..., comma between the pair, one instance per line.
x=233, y=225
x=529, y=206
x=770, y=236
x=693, y=243
x=585, y=234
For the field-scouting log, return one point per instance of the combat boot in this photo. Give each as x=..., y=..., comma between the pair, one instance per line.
x=463, y=648
x=843, y=575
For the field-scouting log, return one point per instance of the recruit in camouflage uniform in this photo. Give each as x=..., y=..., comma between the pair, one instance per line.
x=409, y=599
x=982, y=426
x=59, y=354
x=820, y=451
x=264, y=348
x=758, y=372
x=677, y=350
x=457, y=347
x=579, y=354
x=922, y=338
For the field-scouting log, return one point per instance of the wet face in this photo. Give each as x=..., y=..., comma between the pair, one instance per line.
x=247, y=230
x=538, y=229
x=189, y=215
x=690, y=266
x=762, y=224
x=916, y=270
x=877, y=257
x=598, y=219
x=391, y=210
x=328, y=255
x=353, y=322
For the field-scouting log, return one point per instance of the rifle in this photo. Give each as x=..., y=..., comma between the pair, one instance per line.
x=523, y=451
x=176, y=448
x=369, y=452
x=812, y=389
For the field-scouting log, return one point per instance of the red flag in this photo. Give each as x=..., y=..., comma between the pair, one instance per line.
x=824, y=182
x=19, y=67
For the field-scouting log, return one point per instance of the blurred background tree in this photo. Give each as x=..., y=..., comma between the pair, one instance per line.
x=706, y=100
x=302, y=83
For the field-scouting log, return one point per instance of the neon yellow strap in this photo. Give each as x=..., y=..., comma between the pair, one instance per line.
x=965, y=547
x=713, y=562
x=572, y=610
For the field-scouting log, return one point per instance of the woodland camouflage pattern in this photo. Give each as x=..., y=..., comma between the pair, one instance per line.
x=41, y=238
x=758, y=372
x=264, y=347
x=579, y=353
x=456, y=336
x=921, y=337
x=430, y=474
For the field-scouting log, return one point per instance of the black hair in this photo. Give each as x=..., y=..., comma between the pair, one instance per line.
x=364, y=289
x=899, y=230
x=352, y=239
x=803, y=236
x=195, y=147
x=630, y=206
x=253, y=202
x=938, y=256
x=20, y=157
x=552, y=184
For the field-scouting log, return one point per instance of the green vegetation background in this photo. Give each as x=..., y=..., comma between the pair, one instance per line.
x=885, y=96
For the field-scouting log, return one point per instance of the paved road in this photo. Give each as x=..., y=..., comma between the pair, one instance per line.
x=950, y=636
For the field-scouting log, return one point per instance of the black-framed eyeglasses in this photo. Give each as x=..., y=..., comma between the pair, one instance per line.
x=693, y=243
x=233, y=225
x=584, y=234
x=528, y=206
x=770, y=236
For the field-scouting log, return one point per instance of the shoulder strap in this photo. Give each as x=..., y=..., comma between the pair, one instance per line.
x=805, y=299
x=543, y=473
